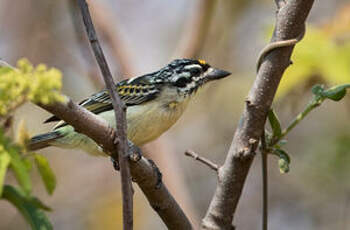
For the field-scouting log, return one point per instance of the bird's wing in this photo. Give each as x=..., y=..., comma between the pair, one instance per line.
x=130, y=92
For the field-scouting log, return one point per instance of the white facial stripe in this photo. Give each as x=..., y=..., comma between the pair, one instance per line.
x=131, y=79
x=193, y=84
x=193, y=66
x=209, y=70
x=200, y=77
x=190, y=86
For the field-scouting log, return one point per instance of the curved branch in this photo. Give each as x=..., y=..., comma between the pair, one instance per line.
x=142, y=171
x=232, y=175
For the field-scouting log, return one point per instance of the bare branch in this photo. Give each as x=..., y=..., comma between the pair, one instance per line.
x=142, y=171
x=203, y=160
x=120, y=115
x=232, y=175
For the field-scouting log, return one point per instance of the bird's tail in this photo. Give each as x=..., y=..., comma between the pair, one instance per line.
x=43, y=140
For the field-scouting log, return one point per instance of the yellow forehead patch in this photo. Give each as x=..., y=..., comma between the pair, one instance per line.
x=202, y=62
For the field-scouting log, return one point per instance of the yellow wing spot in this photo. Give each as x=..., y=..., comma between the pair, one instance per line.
x=202, y=62
x=172, y=105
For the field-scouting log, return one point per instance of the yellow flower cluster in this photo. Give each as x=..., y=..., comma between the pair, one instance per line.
x=27, y=83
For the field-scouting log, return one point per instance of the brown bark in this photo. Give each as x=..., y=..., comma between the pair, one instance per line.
x=232, y=175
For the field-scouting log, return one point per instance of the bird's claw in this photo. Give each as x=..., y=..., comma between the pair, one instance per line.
x=115, y=164
x=135, y=153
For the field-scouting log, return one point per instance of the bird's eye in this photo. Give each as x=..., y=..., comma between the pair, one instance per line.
x=181, y=82
x=195, y=71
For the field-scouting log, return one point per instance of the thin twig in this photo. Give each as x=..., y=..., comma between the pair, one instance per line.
x=264, y=155
x=203, y=160
x=233, y=173
x=316, y=102
x=120, y=116
x=311, y=106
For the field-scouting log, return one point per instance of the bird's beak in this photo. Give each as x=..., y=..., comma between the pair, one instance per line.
x=215, y=74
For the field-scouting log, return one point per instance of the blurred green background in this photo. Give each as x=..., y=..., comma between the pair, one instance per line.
x=142, y=36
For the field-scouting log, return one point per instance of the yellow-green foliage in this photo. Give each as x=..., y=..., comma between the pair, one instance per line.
x=27, y=83
x=319, y=55
x=17, y=86
x=323, y=53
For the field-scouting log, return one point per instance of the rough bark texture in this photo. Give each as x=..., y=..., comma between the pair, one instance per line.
x=232, y=175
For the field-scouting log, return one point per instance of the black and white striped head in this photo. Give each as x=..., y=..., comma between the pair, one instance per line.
x=184, y=76
x=187, y=75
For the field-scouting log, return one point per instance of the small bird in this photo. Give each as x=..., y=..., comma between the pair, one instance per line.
x=154, y=101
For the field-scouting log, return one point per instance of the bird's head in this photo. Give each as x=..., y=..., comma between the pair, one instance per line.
x=187, y=75
x=181, y=78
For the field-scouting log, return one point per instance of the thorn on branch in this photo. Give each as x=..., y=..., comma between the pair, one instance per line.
x=203, y=160
x=280, y=4
x=248, y=101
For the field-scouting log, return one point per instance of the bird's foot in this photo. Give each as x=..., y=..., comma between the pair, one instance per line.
x=115, y=164
x=135, y=153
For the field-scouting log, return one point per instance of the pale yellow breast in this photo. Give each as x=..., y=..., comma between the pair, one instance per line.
x=148, y=121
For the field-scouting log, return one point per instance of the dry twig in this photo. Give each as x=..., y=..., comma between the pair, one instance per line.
x=203, y=160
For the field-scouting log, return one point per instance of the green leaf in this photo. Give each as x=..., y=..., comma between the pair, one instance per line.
x=317, y=90
x=275, y=124
x=336, y=93
x=46, y=173
x=21, y=171
x=28, y=163
x=4, y=162
x=39, y=204
x=27, y=207
x=284, y=160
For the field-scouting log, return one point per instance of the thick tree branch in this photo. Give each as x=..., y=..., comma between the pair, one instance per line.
x=142, y=171
x=121, y=152
x=290, y=24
